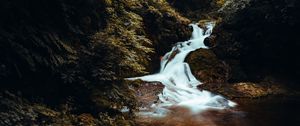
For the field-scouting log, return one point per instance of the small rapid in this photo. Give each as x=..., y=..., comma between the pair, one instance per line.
x=180, y=85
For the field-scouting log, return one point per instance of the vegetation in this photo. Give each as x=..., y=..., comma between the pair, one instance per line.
x=68, y=67
x=64, y=62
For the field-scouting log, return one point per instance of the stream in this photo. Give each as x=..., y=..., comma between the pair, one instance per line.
x=181, y=103
x=180, y=86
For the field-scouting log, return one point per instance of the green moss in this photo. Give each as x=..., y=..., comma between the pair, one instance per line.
x=125, y=33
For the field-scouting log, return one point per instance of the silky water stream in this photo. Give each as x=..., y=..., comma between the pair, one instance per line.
x=181, y=103
x=180, y=86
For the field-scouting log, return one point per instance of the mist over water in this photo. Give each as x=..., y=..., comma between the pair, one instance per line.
x=180, y=84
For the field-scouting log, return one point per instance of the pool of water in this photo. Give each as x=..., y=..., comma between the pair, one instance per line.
x=272, y=111
x=268, y=111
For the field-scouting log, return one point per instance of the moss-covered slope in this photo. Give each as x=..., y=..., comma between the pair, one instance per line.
x=69, y=58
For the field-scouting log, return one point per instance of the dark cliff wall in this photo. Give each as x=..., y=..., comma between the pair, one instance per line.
x=261, y=40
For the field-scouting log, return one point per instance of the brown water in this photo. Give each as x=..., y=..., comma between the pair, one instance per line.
x=272, y=111
x=269, y=111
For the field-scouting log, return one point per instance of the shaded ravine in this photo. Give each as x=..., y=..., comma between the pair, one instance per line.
x=180, y=86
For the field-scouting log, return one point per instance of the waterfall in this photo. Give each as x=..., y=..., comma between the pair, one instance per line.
x=180, y=86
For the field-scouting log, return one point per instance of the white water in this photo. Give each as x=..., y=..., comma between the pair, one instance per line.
x=180, y=84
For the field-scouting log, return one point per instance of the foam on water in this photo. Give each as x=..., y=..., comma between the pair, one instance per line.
x=180, y=84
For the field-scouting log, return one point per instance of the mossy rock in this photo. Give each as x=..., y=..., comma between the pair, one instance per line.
x=207, y=67
x=245, y=89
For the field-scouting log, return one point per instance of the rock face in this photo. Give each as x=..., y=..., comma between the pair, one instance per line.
x=207, y=67
x=255, y=39
x=252, y=42
x=52, y=51
x=261, y=39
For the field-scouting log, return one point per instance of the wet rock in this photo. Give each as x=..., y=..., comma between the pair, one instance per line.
x=210, y=41
x=147, y=93
x=246, y=89
x=254, y=90
x=207, y=67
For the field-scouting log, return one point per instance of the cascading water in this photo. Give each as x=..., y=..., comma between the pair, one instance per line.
x=180, y=84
